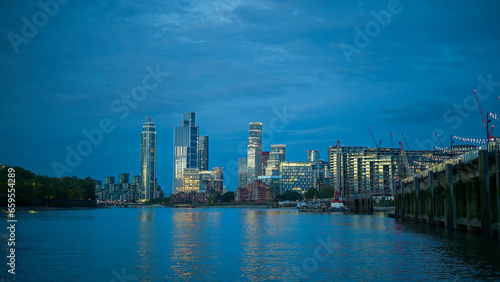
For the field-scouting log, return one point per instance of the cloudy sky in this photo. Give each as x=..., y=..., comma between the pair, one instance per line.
x=313, y=72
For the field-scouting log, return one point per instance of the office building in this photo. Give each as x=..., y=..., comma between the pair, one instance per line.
x=148, y=161
x=296, y=176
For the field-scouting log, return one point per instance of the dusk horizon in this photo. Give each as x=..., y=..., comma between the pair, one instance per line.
x=312, y=73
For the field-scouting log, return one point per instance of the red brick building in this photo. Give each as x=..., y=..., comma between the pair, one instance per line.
x=257, y=192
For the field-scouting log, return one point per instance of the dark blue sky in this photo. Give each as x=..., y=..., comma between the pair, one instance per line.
x=333, y=67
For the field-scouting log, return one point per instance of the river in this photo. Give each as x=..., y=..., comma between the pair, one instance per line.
x=239, y=244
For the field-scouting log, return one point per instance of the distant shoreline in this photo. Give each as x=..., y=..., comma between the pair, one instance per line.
x=131, y=205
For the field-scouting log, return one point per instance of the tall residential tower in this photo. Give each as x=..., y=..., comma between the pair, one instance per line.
x=254, y=152
x=186, y=138
x=203, y=153
x=148, y=161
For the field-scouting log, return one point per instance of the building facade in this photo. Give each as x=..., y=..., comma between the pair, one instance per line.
x=257, y=192
x=276, y=156
x=265, y=158
x=191, y=180
x=321, y=173
x=148, y=161
x=212, y=180
x=312, y=156
x=296, y=176
x=123, y=191
x=242, y=172
x=186, y=141
x=203, y=153
x=254, y=152
x=369, y=171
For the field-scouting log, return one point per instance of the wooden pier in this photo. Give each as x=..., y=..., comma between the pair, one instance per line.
x=460, y=194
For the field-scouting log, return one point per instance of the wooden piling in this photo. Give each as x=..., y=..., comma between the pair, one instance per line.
x=484, y=185
x=431, y=187
x=452, y=200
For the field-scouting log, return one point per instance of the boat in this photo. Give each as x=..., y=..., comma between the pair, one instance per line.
x=184, y=206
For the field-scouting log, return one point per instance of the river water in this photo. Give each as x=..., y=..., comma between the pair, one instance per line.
x=239, y=244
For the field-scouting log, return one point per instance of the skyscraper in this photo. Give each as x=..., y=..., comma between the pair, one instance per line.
x=265, y=158
x=276, y=156
x=148, y=161
x=254, y=152
x=203, y=153
x=186, y=138
x=312, y=156
x=242, y=173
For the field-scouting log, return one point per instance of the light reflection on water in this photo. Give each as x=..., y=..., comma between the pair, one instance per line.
x=242, y=244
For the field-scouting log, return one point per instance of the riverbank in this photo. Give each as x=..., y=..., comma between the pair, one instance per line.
x=44, y=208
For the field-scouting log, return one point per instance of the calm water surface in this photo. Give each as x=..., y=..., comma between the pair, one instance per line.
x=242, y=244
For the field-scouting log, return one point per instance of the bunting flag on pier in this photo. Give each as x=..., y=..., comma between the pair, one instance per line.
x=472, y=140
x=495, y=116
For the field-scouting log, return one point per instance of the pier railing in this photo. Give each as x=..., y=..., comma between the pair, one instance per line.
x=464, y=158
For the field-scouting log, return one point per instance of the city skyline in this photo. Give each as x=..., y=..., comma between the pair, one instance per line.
x=76, y=89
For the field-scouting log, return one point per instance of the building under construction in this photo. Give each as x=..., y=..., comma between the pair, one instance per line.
x=377, y=171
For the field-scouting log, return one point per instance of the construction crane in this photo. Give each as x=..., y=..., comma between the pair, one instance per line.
x=486, y=122
x=392, y=144
x=404, y=138
x=439, y=140
x=377, y=146
x=405, y=159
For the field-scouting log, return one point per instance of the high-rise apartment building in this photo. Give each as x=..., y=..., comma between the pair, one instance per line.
x=254, y=152
x=242, y=172
x=148, y=161
x=360, y=170
x=186, y=138
x=203, y=153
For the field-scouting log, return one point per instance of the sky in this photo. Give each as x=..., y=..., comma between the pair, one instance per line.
x=79, y=79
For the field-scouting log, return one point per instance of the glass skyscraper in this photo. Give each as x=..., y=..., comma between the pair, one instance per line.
x=242, y=173
x=148, y=161
x=186, y=140
x=276, y=156
x=203, y=153
x=254, y=152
